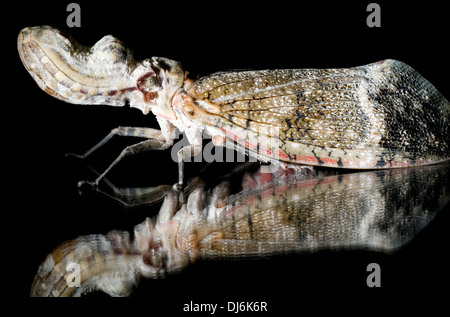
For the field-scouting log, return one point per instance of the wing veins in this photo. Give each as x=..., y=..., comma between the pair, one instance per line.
x=266, y=89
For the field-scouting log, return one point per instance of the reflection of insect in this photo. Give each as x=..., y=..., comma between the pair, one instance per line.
x=381, y=115
x=271, y=214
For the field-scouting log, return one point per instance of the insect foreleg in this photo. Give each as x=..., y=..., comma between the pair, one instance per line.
x=156, y=141
x=147, y=133
x=151, y=144
x=131, y=197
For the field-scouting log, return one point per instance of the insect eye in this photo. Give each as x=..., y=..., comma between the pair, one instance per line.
x=151, y=257
x=150, y=96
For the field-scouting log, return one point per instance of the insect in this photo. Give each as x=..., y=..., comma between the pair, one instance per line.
x=381, y=115
x=271, y=214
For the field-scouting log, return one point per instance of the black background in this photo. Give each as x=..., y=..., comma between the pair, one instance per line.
x=43, y=207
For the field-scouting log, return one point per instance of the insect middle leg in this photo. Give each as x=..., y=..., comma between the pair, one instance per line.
x=183, y=154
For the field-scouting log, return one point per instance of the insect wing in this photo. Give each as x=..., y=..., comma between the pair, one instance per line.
x=375, y=116
x=363, y=210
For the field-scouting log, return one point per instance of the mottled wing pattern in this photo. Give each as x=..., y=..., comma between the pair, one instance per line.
x=356, y=210
x=385, y=110
x=287, y=218
x=299, y=102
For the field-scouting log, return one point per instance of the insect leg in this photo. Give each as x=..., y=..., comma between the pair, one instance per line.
x=147, y=133
x=184, y=153
x=151, y=144
x=131, y=197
